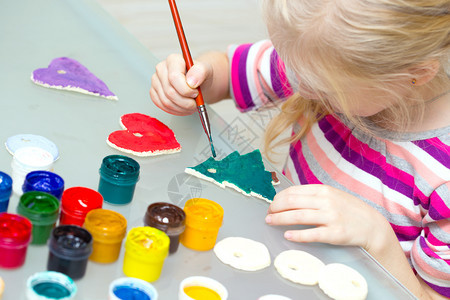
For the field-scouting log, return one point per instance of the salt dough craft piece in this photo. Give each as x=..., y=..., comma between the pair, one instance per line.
x=143, y=136
x=341, y=282
x=299, y=266
x=244, y=173
x=273, y=297
x=242, y=253
x=18, y=141
x=65, y=73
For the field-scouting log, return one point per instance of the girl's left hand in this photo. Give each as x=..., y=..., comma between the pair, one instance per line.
x=339, y=218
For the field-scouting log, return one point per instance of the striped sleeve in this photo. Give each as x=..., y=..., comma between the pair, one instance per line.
x=430, y=254
x=258, y=76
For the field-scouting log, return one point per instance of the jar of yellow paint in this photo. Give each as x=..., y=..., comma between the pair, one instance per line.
x=203, y=221
x=201, y=288
x=108, y=228
x=146, y=248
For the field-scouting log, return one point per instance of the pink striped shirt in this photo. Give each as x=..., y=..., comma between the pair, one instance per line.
x=407, y=179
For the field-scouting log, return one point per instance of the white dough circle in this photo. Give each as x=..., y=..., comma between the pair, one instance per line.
x=299, y=266
x=339, y=281
x=242, y=253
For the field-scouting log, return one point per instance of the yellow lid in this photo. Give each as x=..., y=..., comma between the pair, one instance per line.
x=106, y=224
x=147, y=240
x=200, y=210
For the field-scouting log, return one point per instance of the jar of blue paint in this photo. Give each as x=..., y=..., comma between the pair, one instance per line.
x=70, y=247
x=129, y=288
x=5, y=191
x=50, y=285
x=44, y=181
x=118, y=177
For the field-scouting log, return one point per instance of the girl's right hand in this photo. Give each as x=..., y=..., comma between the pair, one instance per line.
x=173, y=90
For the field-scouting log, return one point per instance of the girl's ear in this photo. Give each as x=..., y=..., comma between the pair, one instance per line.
x=425, y=72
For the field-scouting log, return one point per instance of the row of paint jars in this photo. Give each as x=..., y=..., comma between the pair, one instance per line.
x=118, y=177
x=58, y=286
x=101, y=238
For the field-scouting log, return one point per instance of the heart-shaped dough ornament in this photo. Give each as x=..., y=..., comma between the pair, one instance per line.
x=65, y=73
x=143, y=136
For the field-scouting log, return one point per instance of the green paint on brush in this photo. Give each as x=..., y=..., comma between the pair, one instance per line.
x=246, y=171
x=212, y=148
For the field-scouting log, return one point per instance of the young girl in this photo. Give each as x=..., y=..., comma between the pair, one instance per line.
x=367, y=95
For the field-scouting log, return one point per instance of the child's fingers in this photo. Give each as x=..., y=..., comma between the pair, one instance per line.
x=177, y=102
x=298, y=217
x=159, y=98
x=196, y=76
x=294, y=201
x=177, y=76
x=309, y=235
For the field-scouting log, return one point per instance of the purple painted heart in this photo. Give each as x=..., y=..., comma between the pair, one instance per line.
x=68, y=74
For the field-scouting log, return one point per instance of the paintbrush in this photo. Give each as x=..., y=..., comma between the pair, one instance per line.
x=189, y=63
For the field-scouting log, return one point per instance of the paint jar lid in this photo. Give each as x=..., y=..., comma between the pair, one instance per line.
x=166, y=217
x=50, y=285
x=200, y=212
x=140, y=289
x=106, y=225
x=120, y=169
x=80, y=200
x=40, y=207
x=44, y=181
x=13, y=143
x=15, y=230
x=71, y=242
x=147, y=243
x=5, y=185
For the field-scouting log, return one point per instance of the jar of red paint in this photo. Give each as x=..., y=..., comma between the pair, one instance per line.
x=15, y=236
x=76, y=202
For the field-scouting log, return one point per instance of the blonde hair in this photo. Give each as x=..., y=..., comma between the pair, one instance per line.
x=369, y=41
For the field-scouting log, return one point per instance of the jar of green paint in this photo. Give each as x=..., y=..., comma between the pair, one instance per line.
x=118, y=177
x=42, y=209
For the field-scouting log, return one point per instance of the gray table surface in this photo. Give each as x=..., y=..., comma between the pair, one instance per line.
x=32, y=33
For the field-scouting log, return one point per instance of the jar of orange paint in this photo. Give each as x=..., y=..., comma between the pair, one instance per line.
x=203, y=221
x=146, y=248
x=108, y=228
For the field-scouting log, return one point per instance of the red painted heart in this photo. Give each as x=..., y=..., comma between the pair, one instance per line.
x=143, y=136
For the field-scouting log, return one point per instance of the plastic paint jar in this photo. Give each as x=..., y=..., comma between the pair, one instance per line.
x=44, y=181
x=146, y=248
x=50, y=286
x=201, y=288
x=108, y=228
x=76, y=202
x=118, y=177
x=29, y=159
x=203, y=221
x=168, y=218
x=70, y=247
x=15, y=236
x=42, y=209
x=128, y=288
x=5, y=191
